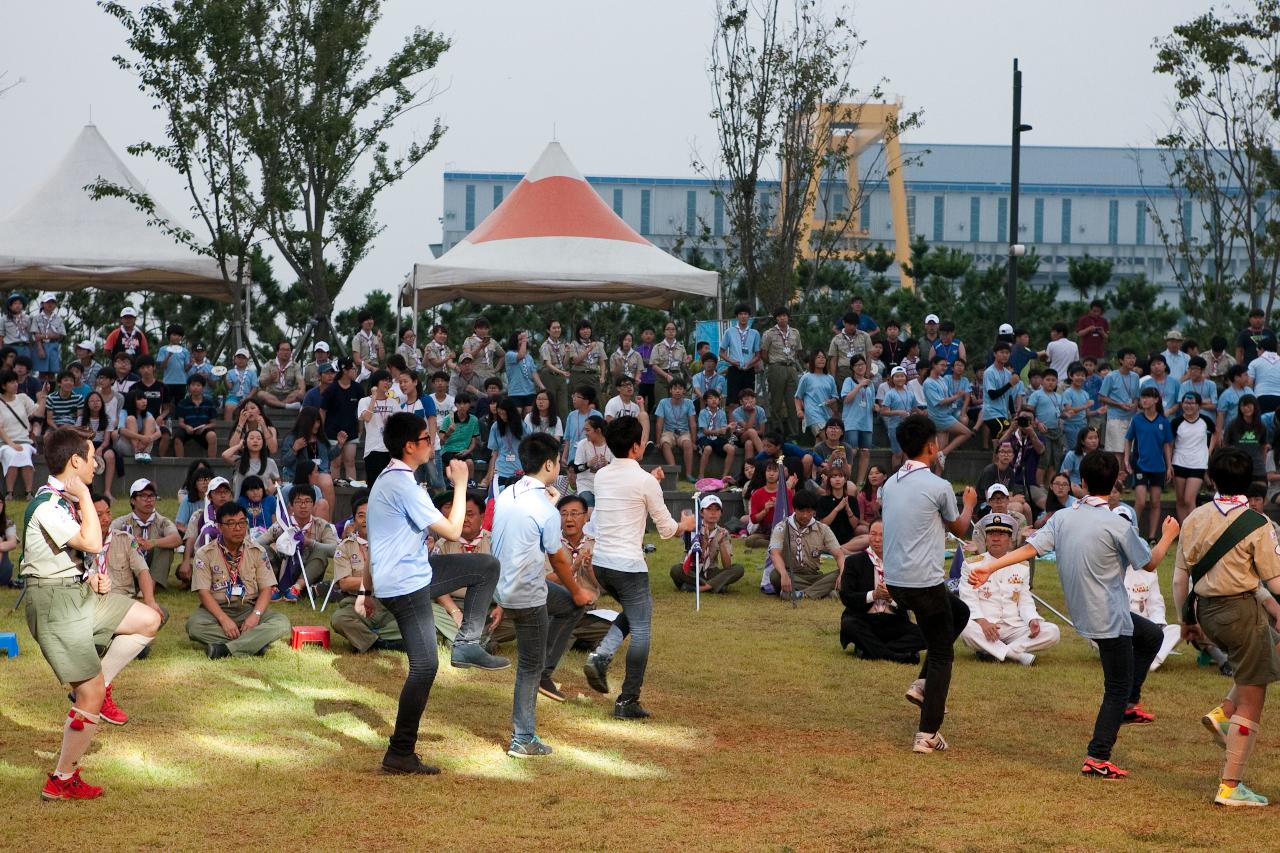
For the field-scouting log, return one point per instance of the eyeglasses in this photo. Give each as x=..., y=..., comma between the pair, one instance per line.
x=573, y=513
x=424, y=437
x=234, y=525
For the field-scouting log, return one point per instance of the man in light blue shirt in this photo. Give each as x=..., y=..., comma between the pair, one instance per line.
x=918, y=508
x=1264, y=376
x=1119, y=393
x=1174, y=356
x=406, y=582
x=526, y=534
x=999, y=386
x=740, y=348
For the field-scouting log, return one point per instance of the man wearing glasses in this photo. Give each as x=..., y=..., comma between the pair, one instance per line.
x=233, y=579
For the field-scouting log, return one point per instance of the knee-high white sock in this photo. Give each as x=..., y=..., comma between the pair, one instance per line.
x=124, y=648
x=77, y=734
x=1242, y=734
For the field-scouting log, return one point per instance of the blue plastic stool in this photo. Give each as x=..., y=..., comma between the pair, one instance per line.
x=9, y=643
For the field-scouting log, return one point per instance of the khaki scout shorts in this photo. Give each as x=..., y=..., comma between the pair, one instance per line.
x=1239, y=626
x=64, y=618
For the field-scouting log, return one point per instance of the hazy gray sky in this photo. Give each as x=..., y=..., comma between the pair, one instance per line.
x=623, y=84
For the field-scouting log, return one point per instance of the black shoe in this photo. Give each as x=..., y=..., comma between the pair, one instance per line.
x=596, y=670
x=551, y=690
x=629, y=709
x=407, y=765
x=144, y=654
x=217, y=650
x=389, y=645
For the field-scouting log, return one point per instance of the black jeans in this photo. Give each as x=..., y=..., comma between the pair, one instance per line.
x=542, y=636
x=631, y=589
x=479, y=574
x=941, y=617
x=1125, y=662
x=374, y=463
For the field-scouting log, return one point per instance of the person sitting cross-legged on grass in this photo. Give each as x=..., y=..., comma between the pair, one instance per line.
x=233, y=579
x=380, y=630
x=1003, y=621
x=872, y=621
x=795, y=548
x=1093, y=545
x=717, y=571
x=1226, y=585
x=319, y=544
x=155, y=535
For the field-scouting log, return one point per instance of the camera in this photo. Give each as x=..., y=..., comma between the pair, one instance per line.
x=1024, y=421
x=579, y=467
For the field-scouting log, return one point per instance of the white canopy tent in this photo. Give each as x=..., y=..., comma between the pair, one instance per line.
x=61, y=239
x=553, y=238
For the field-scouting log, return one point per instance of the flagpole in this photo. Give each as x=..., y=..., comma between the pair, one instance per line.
x=697, y=555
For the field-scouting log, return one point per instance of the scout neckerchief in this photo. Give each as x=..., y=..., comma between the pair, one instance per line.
x=240, y=381
x=849, y=341
x=1227, y=504
x=743, y=332
x=142, y=525
x=470, y=546
x=575, y=550
x=100, y=558
x=715, y=418
x=234, y=587
x=910, y=467
x=628, y=369
x=797, y=536
x=672, y=360
x=43, y=324
x=592, y=355
x=556, y=347
x=23, y=324
x=1093, y=500
x=365, y=338
x=52, y=490
x=130, y=341
x=878, y=606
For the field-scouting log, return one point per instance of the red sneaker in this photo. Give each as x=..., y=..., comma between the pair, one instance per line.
x=1136, y=716
x=73, y=788
x=111, y=712
x=1102, y=769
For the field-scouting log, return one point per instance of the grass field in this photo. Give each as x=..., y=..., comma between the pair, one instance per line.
x=765, y=736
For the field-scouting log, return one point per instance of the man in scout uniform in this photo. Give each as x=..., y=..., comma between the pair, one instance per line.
x=780, y=351
x=1226, y=555
x=474, y=539
x=319, y=543
x=796, y=549
x=123, y=562
x=484, y=350
x=380, y=630
x=1003, y=621
x=669, y=362
x=846, y=343
x=155, y=535
x=67, y=605
x=280, y=385
x=234, y=581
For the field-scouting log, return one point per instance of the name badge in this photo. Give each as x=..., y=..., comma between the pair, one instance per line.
x=510, y=457
x=235, y=590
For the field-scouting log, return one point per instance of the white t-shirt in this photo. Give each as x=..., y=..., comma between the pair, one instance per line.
x=1062, y=353
x=556, y=428
x=615, y=408
x=373, y=442
x=15, y=417
x=598, y=457
x=1191, y=443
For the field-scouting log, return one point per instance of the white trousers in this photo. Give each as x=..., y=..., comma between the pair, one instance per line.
x=1172, y=634
x=1012, y=640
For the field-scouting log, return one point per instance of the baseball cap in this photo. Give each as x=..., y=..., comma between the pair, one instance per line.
x=327, y=367
x=1005, y=329
x=1173, y=335
x=999, y=523
x=242, y=352
x=466, y=356
x=897, y=370
x=710, y=500
x=128, y=312
x=931, y=318
x=85, y=345
x=141, y=485
x=321, y=345
x=48, y=297
x=997, y=489
x=216, y=483
x=198, y=348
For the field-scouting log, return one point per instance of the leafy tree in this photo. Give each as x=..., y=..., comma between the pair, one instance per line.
x=1089, y=275
x=1138, y=319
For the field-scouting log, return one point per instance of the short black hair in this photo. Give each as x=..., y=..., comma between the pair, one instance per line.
x=198, y=379
x=536, y=450
x=913, y=433
x=946, y=326
x=850, y=318
x=253, y=481
x=1099, y=470
x=463, y=398
x=1236, y=370
x=439, y=374
x=676, y=383
x=571, y=499
x=1060, y=328
x=1001, y=346
x=587, y=393
x=781, y=311
x=364, y=314
x=143, y=361
x=742, y=307
x=1076, y=367
x=357, y=502
x=622, y=434
x=1257, y=312
x=175, y=329
x=376, y=377
x=493, y=382
x=230, y=509
x=400, y=429
x=1125, y=351
x=804, y=499
x=1049, y=371
x=298, y=493
x=1255, y=490
x=1197, y=361
x=397, y=361
x=1231, y=470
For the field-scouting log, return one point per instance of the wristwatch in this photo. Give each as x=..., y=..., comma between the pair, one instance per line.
x=257, y=613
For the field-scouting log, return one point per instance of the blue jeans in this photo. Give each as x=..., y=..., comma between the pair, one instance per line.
x=631, y=589
x=413, y=613
x=1125, y=662
x=543, y=633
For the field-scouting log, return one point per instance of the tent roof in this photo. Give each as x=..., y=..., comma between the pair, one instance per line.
x=61, y=239
x=553, y=238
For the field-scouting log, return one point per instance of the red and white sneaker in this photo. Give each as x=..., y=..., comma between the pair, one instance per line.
x=1137, y=716
x=73, y=788
x=1102, y=769
x=111, y=712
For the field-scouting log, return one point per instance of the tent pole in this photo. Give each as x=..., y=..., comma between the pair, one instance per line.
x=396, y=307
x=415, y=308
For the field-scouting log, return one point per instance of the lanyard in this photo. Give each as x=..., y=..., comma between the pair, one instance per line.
x=233, y=568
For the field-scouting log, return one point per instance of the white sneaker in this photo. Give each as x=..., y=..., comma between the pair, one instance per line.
x=1024, y=658
x=358, y=484
x=915, y=693
x=942, y=461
x=926, y=743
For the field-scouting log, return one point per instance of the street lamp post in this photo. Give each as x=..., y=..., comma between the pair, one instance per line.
x=1016, y=249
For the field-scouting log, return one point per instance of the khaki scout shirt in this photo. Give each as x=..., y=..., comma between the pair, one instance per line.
x=482, y=544
x=124, y=562
x=45, y=553
x=1256, y=558
x=211, y=572
x=844, y=347
x=781, y=347
x=802, y=549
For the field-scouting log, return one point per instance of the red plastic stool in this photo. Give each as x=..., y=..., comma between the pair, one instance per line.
x=303, y=634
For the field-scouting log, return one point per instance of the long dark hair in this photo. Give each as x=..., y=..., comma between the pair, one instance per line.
x=263, y=455
x=305, y=425
x=195, y=471
x=513, y=425
x=302, y=474
x=552, y=417
x=103, y=421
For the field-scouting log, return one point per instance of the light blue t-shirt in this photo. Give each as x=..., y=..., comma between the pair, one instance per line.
x=1265, y=373
x=708, y=419
x=703, y=383
x=1047, y=406
x=1168, y=389
x=993, y=379
x=1093, y=547
x=898, y=400
x=740, y=417
x=526, y=527
x=1229, y=404
x=573, y=423
x=1122, y=389
x=1178, y=362
x=520, y=375
x=675, y=418
x=399, y=515
x=740, y=344
x=1071, y=466
x=935, y=391
x=506, y=457
x=915, y=503
x=857, y=413
x=814, y=390
x=1075, y=398
x=174, y=365
x=955, y=386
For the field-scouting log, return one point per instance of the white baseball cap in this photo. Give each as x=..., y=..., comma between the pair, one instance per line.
x=931, y=318
x=216, y=483
x=1005, y=329
x=710, y=500
x=321, y=345
x=897, y=370
x=997, y=489
x=86, y=345
x=48, y=297
x=242, y=352
x=128, y=312
x=141, y=484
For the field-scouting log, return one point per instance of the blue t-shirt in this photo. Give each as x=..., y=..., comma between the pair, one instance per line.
x=955, y=386
x=740, y=417
x=573, y=426
x=703, y=383
x=1092, y=385
x=814, y=390
x=1265, y=373
x=1047, y=406
x=708, y=419
x=1178, y=362
x=900, y=400
x=915, y=503
x=1071, y=466
x=1075, y=398
x=520, y=375
x=935, y=391
x=506, y=456
x=1229, y=404
x=400, y=513
x=1150, y=437
x=857, y=413
x=173, y=365
x=866, y=324
x=949, y=351
x=675, y=418
x=1206, y=388
x=526, y=527
x=1122, y=389
x=739, y=344
x=993, y=379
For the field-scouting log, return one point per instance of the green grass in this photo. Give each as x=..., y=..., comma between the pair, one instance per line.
x=765, y=736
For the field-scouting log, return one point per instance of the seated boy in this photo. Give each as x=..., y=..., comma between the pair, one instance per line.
x=716, y=569
x=713, y=434
x=747, y=423
x=795, y=550
x=460, y=434
x=379, y=631
x=676, y=425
